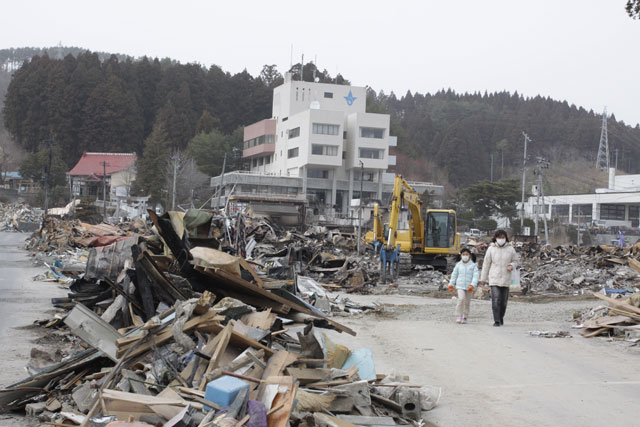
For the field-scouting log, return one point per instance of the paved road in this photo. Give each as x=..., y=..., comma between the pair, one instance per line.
x=21, y=302
x=502, y=376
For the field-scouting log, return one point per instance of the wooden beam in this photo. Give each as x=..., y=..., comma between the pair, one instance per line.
x=223, y=342
x=232, y=282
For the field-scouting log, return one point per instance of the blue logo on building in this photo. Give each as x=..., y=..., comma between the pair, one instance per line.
x=350, y=98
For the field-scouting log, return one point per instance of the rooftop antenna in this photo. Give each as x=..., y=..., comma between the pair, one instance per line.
x=602, y=161
x=291, y=57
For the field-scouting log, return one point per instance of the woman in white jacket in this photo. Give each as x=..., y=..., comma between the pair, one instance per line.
x=499, y=261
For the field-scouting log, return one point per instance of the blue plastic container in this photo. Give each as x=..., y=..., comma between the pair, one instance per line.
x=224, y=390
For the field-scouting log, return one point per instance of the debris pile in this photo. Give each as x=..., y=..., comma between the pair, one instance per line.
x=19, y=217
x=58, y=235
x=573, y=269
x=619, y=319
x=167, y=329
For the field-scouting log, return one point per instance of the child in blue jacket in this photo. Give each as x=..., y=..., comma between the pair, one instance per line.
x=465, y=279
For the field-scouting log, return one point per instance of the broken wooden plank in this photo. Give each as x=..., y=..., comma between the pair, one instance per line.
x=121, y=401
x=616, y=303
x=223, y=341
x=285, y=401
x=634, y=263
x=204, y=303
x=244, y=264
x=237, y=284
x=238, y=339
x=309, y=375
x=604, y=321
x=261, y=319
x=166, y=334
x=275, y=367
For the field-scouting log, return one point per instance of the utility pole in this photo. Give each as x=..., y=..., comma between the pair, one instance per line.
x=524, y=178
x=174, y=159
x=616, y=159
x=542, y=164
x=104, y=190
x=491, y=167
x=579, y=221
x=360, y=208
x=224, y=164
x=537, y=209
x=47, y=177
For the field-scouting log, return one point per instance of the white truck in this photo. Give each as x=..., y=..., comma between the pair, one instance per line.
x=473, y=233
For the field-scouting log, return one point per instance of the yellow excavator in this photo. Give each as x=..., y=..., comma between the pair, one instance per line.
x=431, y=239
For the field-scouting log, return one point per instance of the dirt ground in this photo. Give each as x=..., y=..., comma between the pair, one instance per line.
x=488, y=376
x=493, y=376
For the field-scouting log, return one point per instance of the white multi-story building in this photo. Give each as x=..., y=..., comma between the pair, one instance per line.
x=320, y=145
x=616, y=205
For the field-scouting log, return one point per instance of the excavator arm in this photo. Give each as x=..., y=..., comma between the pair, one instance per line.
x=403, y=193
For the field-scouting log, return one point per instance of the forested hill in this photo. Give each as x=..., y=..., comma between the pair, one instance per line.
x=458, y=133
x=91, y=102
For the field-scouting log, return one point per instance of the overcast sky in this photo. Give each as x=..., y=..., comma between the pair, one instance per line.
x=582, y=51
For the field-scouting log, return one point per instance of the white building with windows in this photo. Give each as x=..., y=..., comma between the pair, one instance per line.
x=616, y=205
x=320, y=145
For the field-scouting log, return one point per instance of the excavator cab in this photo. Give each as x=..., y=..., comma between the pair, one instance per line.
x=440, y=229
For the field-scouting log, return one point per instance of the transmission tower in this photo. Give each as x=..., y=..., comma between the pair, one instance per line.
x=602, y=162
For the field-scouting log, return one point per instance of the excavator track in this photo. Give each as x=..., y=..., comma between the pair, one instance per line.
x=404, y=264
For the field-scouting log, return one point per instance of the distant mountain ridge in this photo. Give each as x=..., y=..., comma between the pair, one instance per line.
x=102, y=102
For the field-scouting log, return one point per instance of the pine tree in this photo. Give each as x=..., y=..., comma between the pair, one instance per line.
x=151, y=169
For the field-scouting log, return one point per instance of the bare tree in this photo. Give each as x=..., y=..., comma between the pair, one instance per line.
x=184, y=181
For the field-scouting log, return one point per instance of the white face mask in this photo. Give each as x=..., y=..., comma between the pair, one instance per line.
x=465, y=258
x=501, y=242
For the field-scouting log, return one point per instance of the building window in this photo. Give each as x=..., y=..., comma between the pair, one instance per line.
x=344, y=135
x=293, y=152
x=328, y=94
x=260, y=161
x=377, y=133
x=255, y=162
x=262, y=139
x=324, y=150
x=560, y=210
x=267, y=160
x=344, y=155
x=325, y=129
x=294, y=133
x=371, y=153
x=296, y=94
x=318, y=173
x=284, y=119
x=634, y=215
x=614, y=212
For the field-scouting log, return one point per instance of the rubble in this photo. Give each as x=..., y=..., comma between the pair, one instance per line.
x=619, y=319
x=183, y=327
x=577, y=270
x=19, y=217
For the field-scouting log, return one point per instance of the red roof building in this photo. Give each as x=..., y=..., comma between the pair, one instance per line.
x=92, y=163
x=87, y=175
